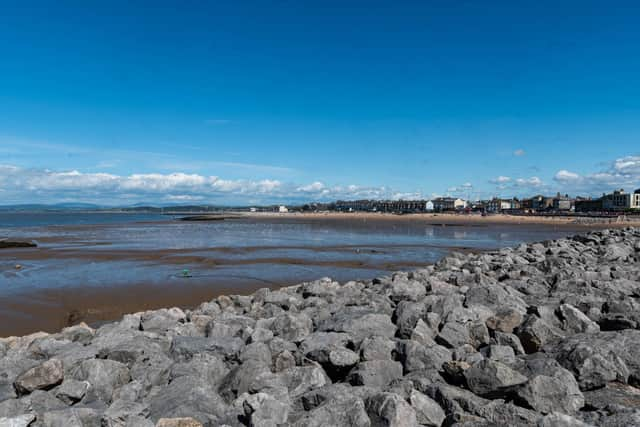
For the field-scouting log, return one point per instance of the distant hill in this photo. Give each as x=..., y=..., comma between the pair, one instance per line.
x=44, y=207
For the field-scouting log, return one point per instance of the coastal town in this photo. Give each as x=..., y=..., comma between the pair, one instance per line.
x=615, y=203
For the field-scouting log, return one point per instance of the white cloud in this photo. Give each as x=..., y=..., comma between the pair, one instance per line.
x=41, y=185
x=623, y=172
x=566, y=176
x=313, y=187
x=519, y=152
x=500, y=180
x=534, y=181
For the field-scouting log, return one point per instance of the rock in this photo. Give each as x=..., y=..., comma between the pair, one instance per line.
x=284, y=360
x=423, y=333
x=184, y=348
x=613, y=394
x=72, y=391
x=406, y=290
x=416, y=357
x=19, y=421
x=178, y=422
x=489, y=378
x=560, y=420
x=264, y=410
x=349, y=411
x=187, y=397
x=428, y=412
x=360, y=325
x=42, y=377
x=72, y=417
x=534, y=333
x=501, y=353
x=389, y=409
x=103, y=376
x=505, y=320
x=81, y=333
x=291, y=327
x=301, y=379
x=121, y=412
x=510, y=340
x=377, y=348
x=600, y=358
x=454, y=335
x=161, y=320
x=375, y=373
x=575, y=321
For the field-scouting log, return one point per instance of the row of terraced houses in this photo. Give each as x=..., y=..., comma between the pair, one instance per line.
x=617, y=201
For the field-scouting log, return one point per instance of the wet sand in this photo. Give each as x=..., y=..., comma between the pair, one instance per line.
x=237, y=269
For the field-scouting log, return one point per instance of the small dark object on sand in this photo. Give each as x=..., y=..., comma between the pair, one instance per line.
x=4, y=243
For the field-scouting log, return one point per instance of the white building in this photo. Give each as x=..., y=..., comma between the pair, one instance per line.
x=635, y=199
x=283, y=209
x=429, y=206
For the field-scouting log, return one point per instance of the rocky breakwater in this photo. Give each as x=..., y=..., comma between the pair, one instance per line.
x=544, y=334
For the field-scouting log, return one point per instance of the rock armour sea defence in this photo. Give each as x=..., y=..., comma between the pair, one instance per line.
x=545, y=334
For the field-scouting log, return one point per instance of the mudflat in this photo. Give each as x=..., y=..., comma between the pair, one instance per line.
x=98, y=272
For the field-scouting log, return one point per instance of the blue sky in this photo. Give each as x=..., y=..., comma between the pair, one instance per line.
x=257, y=101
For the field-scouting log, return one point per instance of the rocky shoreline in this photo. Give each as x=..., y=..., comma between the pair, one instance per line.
x=545, y=334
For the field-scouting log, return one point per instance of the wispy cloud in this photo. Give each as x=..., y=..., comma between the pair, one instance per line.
x=519, y=152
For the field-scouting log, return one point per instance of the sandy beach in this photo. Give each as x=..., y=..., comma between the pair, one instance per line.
x=96, y=273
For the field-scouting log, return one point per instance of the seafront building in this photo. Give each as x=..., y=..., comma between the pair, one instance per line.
x=617, y=201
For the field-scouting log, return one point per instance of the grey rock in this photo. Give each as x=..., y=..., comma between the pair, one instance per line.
x=416, y=357
x=291, y=327
x=19, y=421
x=600, y=358
x=428, y=412
x=575, y=321
x=406, y=290
x=349, y=411
x=561, y=420
x=42, y=377
x=377, y=348
x=72, y=417
x=104, y=376
x=389, y=409
x=72, y=391
x=505, y=320
x=501, y=353
x=187, y=397
x=613, y=394
x=493, y=379
x=510, y=340
x=121, y=412
x=262, y=410
x=375, y=373
x=454, y=335
x=301, y=379
x=534, y=333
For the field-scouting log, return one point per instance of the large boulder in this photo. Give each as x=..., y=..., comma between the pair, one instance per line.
x=389, y=409
x=428, y=412
x=103, y=376
x=490, y=378
x=375, y=373
x=42, y=377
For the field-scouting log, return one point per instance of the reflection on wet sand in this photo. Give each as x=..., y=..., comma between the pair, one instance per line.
x=98, y=272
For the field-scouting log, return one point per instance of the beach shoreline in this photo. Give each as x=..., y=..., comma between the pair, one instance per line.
x=27, y=310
